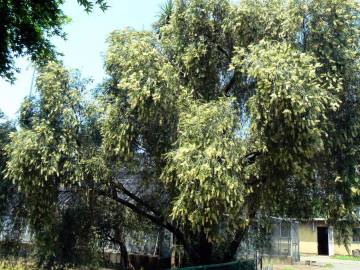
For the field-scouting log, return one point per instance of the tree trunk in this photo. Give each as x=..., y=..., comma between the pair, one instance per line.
x=160, y=242
x=124, y=256
x=231, y=251
x=241, y=232
x=118, y=237
x=205, y=249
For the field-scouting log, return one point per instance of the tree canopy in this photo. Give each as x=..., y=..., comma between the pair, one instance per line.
x=26, y=29
x=224, y=115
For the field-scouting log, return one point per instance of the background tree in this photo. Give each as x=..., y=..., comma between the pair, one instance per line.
x=225, y=116
x=12, y=207
x=69, y=221
x=26, y=28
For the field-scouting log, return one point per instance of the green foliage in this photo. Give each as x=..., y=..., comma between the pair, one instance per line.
x=18, y=265
x=27, y=27
x=195, y=42
x=291, y=79
x=51, y=144
x=205, y=164
x=5, y=128
x=289, y=104
x=164, y=15
x=89, y=4
x=142, y=100
x=225, y=114
x=52, y=141
x=12, y=210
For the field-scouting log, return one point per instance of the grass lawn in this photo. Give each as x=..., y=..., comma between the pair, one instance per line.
x=346, y=257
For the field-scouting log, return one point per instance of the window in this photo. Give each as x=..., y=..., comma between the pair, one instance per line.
x=282, y=229
x=356, y=235
x=285, y=230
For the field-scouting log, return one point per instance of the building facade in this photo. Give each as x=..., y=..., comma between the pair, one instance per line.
x=318, y=238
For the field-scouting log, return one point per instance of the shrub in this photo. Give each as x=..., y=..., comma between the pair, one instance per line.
x=16, y=265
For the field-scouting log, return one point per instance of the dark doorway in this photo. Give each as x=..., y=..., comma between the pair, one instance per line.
x=323, y=240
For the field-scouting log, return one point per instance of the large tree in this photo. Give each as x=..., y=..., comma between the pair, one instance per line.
x=224, y=115
x=26, y=29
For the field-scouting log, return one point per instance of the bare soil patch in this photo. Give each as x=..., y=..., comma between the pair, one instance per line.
x=298, y=267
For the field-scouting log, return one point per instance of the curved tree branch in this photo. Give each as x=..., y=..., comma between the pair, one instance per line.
x=156, y=219
x=250, y=158
x=229, y=85
x=121, y=187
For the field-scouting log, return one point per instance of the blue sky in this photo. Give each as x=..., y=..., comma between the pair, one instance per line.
x=85, y=45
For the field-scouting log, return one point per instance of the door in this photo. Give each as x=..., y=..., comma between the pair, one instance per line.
x=331, y=241
x=323, y=240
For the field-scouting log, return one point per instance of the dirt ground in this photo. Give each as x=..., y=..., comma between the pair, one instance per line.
x=322, y=264
x=298, y=267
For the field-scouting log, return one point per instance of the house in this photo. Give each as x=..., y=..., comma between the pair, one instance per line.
x=290, y=239
x=316, y=237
